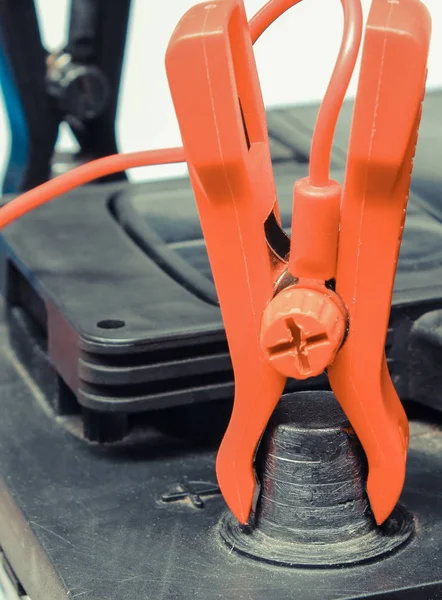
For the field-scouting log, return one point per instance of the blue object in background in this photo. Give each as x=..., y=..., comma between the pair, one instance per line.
x=18, y=127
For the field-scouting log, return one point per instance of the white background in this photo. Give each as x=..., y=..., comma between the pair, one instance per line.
x=295, y=58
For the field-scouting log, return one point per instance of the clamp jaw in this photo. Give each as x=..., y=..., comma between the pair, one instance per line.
x=382, y=144
x=322, y=300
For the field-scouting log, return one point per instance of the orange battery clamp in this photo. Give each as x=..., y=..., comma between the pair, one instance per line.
x=322, y=300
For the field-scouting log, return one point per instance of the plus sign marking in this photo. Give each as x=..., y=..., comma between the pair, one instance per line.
x=190, y=491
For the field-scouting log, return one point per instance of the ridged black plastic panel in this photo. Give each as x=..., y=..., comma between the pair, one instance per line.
x=110, y=302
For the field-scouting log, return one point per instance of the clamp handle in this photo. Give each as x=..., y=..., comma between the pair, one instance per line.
x=224, y=133
x=382, y=145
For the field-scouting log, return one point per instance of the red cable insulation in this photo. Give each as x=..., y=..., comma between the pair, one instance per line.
x=84, y=174
x=268, y=15
x=321, y=142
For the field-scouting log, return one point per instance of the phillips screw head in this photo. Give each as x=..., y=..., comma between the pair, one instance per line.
x=302, y=330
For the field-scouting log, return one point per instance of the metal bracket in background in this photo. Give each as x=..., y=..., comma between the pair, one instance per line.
x=96, y=40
